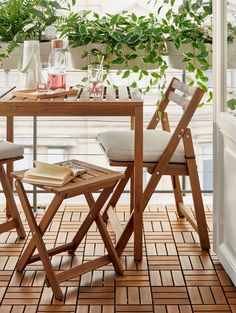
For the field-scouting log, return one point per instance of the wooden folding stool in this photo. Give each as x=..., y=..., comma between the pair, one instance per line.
x=95, y=178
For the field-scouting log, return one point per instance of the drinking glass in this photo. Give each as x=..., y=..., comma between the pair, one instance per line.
x=42, y=76
x=95, y=74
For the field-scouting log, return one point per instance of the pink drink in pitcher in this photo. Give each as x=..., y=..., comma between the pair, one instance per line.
x=57, y=81
x=57, y=66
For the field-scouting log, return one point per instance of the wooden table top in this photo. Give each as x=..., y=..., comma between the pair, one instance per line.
x=123, y=99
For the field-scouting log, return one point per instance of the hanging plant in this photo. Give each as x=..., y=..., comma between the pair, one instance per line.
x=126, y=41
x=187, y=29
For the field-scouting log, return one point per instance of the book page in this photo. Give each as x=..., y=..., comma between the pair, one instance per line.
x=51, y=171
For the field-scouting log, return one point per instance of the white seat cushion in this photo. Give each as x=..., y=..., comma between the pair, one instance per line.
x=10, y=150
x=119, y=145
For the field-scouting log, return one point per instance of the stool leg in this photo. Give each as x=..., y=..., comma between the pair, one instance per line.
x=108, y=244
x=46, y=220
x=37, y=236
x=90, y=218
x=11, y=205
x=105, y=236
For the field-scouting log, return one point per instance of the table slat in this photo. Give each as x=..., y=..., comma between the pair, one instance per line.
x=5, y=91
x=135, y=94
x=85, y=96
x=123, y=93
x=110, y=93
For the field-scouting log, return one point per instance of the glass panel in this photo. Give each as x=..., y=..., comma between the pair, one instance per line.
x=231, y=55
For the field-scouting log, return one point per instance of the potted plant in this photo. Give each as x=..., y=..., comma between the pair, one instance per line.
x=189, y=35
x=22, y=20
x=189, y=42
x=126, y=41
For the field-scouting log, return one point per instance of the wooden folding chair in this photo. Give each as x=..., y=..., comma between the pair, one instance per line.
x=10, y=152
x=164, y=154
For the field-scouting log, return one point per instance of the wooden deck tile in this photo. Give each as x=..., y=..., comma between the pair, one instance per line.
x=175, y=275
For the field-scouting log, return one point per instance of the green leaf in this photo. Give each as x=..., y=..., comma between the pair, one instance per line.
x=231, y=104
x=190, y=67
x=131, y=56
x=135, y=69
x=119, y=60
x=104, y=77
x=145, y=72
x=126, y=74
x=169, y=14
x=201, y=85
x=189, y=55
x=133, y=85
x=134, y=17
x=155, y=75
x=131, y=38
x=83, y=30
x=116, y=35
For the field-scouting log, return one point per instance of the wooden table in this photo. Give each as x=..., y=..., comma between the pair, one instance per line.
x=122, y=102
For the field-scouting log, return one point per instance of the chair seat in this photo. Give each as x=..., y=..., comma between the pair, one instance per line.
x=10, y=150
x=119, y=146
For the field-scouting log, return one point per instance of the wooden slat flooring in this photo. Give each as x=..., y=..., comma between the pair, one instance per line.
x=175, y=276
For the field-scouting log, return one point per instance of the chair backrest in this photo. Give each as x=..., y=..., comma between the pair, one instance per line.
x=188, y=98
x=181, y=94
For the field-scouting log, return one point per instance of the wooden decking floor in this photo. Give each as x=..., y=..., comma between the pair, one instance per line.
x=175, y=276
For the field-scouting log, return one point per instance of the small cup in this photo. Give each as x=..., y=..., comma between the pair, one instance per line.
x=95, y=75
x=42, y=76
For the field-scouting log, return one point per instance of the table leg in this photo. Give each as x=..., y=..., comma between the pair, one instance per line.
x=9, y=137
x=132, y=125
x=138, y=184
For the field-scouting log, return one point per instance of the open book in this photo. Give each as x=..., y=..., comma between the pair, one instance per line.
x=52, y=174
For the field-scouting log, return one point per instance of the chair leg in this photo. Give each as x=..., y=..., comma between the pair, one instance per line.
x=196, y=190
x=129, y=228
x=177, y=193
x=11, y=205
x=198, y=204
